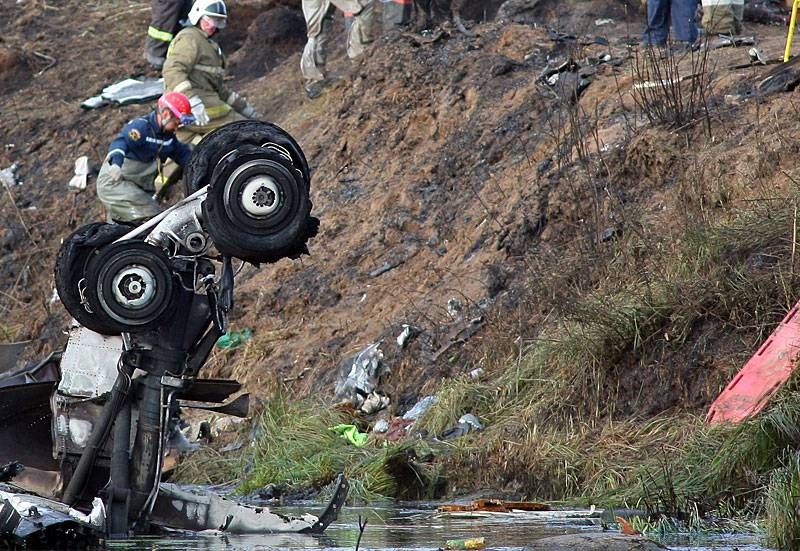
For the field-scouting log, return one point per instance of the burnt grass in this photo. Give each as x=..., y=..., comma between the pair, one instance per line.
x=446, y=168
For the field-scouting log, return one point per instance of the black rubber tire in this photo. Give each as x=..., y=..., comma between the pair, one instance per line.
x=105, y=266
x=264, y=238
x=71, y=261
x=225, y=139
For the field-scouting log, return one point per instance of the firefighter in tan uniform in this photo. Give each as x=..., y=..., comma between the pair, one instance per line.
x=723, y=16
x=318, y=21
x=195, y=67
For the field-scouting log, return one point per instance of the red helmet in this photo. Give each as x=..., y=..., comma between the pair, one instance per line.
x=178, y=104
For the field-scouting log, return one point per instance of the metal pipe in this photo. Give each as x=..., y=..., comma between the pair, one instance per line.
x=792, y=22
x=100, y=432
x=159, y=217
x=119, y=491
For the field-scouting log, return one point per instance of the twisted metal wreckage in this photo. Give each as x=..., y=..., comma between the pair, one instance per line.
x=83, y=435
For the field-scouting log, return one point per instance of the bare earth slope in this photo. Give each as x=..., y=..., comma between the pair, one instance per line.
x=442, y=169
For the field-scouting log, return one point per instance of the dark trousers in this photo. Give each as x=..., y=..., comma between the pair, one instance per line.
x=679, y=14
x=164, y=23
x=433, y=9
x=397, y=13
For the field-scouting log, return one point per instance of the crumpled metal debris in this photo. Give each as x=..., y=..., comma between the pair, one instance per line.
x=757, y=56
x=29, y=519
x=8, y=176
x=360, y=374
x=185, y=510
x=419, y=408
x=466, y=423
x=725, y=41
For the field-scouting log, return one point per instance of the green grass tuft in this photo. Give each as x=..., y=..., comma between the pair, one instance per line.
x=294, y=447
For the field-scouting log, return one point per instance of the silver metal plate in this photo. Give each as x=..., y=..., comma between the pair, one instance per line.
x=89, y=364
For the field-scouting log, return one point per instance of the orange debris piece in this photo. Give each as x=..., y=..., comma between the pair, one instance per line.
x=493, y=506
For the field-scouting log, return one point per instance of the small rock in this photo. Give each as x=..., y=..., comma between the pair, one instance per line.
x=381, y=426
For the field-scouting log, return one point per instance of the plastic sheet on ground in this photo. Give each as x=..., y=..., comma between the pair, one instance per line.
x=234, y=339
x=351, y=434
x=126, y=92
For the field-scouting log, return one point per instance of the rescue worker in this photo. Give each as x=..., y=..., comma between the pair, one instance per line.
x=195, y=67
x=397, y=13
x=125, y=184
x=165, y=18
x=723, y=16
x=670, y=17
x=318, y=22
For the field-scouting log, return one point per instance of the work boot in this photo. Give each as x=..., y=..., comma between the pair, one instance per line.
x=319, y=87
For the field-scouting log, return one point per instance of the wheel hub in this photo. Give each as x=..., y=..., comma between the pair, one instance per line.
x=134, y=287
x=260, y=196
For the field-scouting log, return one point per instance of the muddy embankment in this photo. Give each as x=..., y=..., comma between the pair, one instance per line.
x=605, y=271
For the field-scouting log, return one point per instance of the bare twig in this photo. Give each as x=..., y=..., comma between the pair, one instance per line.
x=51, y=61
x=794, y=247
x=19, y=215
x=362, y=525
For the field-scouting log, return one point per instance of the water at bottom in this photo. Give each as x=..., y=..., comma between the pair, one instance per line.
x=397, y=528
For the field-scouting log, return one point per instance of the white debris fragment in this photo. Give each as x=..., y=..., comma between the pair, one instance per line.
x=406, y=335
x=8, y=176
x=604, y=21
x=454, y=307
x=95, y=518
x=78, y=181
x=374, y=403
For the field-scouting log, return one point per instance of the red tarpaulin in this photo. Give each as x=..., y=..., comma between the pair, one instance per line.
x=762, y=375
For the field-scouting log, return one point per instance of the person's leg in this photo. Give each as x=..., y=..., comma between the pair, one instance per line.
x=124, y=200
x=440, y=10
x=396, y=13
x=163, y=25
x=312, y=62
x=682, y=14
x=361, y=32
x=423, y=17
x=655, y=33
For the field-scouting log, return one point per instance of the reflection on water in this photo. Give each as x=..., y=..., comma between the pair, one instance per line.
x=394, y=528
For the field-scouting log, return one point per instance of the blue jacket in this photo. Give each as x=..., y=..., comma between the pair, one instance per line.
x=142, y=140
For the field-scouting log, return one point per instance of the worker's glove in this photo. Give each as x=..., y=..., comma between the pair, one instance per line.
x=199, y=111
x=115, y=172
x=250, y=112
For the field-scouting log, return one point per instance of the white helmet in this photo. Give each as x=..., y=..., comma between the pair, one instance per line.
x=211, y=8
